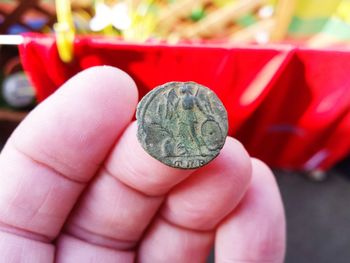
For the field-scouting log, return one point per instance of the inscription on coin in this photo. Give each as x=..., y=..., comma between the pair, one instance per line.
x=182, y=124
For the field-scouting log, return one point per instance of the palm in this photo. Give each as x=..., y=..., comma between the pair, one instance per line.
x=77, y=187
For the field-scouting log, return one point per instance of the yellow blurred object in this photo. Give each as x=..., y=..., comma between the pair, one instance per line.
x=64, y=29
x=343, y=11
x=143, y=21
x=315, y=8
x=81, y=3
x=221, y=3
x=283, y=14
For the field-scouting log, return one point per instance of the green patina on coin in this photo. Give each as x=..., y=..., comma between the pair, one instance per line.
x=182, y=124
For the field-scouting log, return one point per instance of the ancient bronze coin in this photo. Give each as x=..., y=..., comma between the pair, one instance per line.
x=182, y=124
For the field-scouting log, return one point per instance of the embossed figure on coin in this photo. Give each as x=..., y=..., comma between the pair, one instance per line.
x=182, y=124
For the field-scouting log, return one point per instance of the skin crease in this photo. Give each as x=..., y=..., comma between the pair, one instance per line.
x=77, y=186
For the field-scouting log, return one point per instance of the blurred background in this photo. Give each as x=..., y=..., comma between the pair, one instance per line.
x=280, y=67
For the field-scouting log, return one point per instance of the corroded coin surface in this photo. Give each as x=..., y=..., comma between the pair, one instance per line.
x=182, y=124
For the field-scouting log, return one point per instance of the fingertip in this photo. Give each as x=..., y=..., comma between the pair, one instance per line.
x=263, y=179
x=236, y=158
x=260, y=168
x=105, y=79
x=256, y=229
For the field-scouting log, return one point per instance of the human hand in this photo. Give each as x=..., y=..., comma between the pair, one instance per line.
x=76, y=186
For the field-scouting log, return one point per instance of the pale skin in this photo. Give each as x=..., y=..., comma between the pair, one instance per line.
x=76, y=186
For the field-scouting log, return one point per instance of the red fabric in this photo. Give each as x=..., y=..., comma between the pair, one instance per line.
x=287, y=105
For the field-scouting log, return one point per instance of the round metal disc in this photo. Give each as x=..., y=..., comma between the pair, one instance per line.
x=182, y=124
